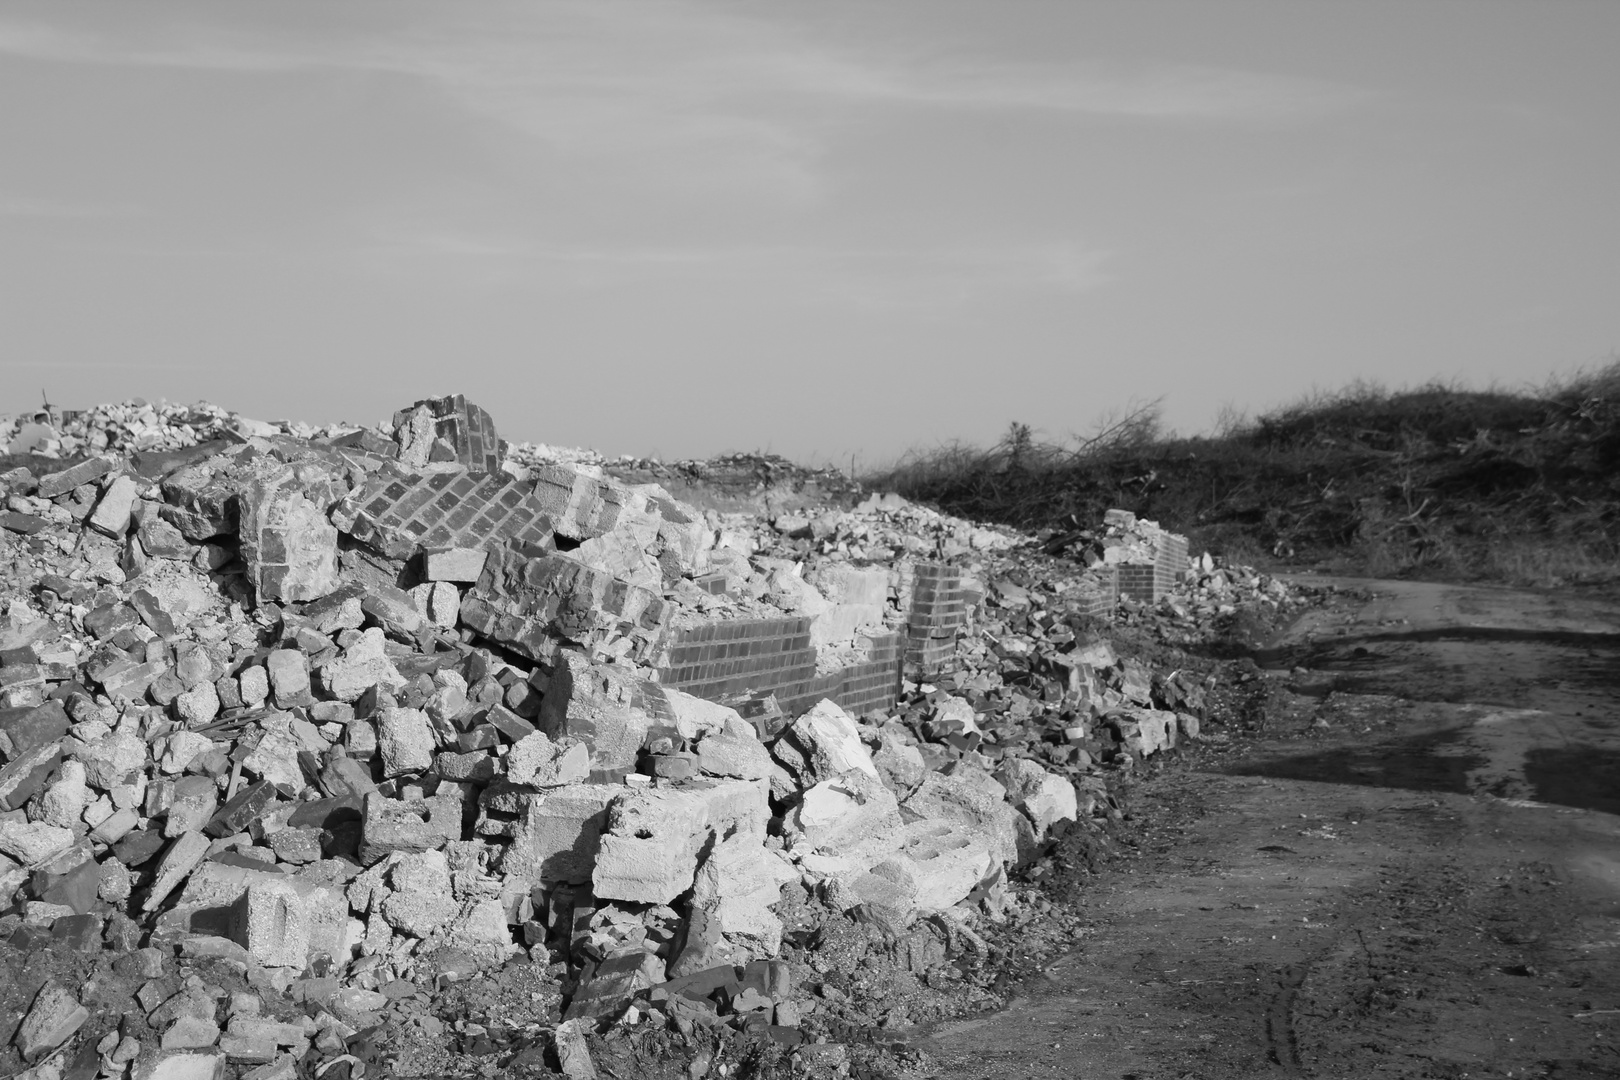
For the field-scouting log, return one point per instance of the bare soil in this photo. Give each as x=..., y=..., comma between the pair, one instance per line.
x=1412, y=869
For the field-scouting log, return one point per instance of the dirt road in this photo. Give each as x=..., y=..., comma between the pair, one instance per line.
x=1413, y=872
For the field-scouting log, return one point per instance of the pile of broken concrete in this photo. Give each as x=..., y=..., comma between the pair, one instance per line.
x=298, y=726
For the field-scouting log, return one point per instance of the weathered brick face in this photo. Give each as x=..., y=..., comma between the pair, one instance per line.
x=938, y=613
x=528, y=603
x=1150, y=581
x=462, y=432
x=775, y=656
x=399, y=512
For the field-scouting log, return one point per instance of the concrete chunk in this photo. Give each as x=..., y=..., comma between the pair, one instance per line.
x=51, y=1021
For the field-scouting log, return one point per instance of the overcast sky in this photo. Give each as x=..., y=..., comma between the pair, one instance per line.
x=819, y=228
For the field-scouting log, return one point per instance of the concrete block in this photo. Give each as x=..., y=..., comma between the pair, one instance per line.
x=363, y=665
x=461, y=565
x=972, y=797
x=734, y=751
x=557, y=833
x=824, y=743
x=842, y=812
x=398, y=825
x=112, y=513
x=422, y=899
x=181, y=1065
x=650, y=847
x=288, y=544
x=598, y=705
x=52, y=1020
x=537, y=761
x=32, y=842
x=406, y=741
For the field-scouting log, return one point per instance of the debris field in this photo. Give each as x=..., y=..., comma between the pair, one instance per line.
x=352, y=752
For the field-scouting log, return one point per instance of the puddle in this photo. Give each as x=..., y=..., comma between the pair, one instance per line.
x=1587, y=777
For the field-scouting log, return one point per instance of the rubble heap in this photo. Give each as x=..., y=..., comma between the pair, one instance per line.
x=350, y=714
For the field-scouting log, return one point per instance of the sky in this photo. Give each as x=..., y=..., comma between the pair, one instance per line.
x=837, y=231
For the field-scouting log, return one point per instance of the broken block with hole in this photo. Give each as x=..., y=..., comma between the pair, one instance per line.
x=654, y=838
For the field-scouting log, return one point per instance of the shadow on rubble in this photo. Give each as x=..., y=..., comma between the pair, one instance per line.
x=1432, y=761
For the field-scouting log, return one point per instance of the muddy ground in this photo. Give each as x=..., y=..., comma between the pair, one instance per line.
x=1409, y=867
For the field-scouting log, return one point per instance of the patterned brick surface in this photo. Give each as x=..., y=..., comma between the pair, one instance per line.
x=400, y=512
x=529, y=603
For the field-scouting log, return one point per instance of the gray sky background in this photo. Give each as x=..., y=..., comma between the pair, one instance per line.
x=820, y=228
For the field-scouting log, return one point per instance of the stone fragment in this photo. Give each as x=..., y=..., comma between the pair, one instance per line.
x=649, y=850
x=111, y=515
x=448, y=429
x=64, y=802
x=178, y=862
x=396, y=825
x=363, y=665
x=405, y=740
x=462, y=565
x=33, y=726
x=823, y=743
x=112, y=759
x=600, y=705
x=242, y=808
x=181, y=1065
x=197, y=706
x=842, y=812
x=190, y=1033
x=60, y=483
x=25, y=774
x=735, y=751
x=51, y=1021
x=1045, y=797
x=253, y=686
x=974, y=797
x=439, y=602
x=288, y=671
x=273, y=922
x=31, y=842
x=275, y=758
x=288, y=544
x=537, y=761
x=422, y=900
x=557, y=833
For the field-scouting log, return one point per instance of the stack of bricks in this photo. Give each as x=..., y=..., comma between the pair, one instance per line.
x=1150, y=581
x=938, y=612
x=1098, y=592
x=774, y=656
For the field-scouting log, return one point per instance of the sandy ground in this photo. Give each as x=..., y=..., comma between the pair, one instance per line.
x=1413, y=872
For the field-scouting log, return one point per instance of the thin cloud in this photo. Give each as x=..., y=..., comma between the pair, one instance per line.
x=18, y=206
x=868, y=277
x=714, y=97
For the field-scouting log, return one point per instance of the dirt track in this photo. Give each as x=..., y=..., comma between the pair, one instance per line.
x=1414, y=871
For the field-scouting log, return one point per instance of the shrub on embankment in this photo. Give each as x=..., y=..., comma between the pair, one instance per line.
x=1438, y=481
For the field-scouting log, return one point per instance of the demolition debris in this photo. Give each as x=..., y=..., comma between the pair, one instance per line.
x=303, y=729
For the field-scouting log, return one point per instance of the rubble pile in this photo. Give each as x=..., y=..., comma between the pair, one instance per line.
x=301, y=728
